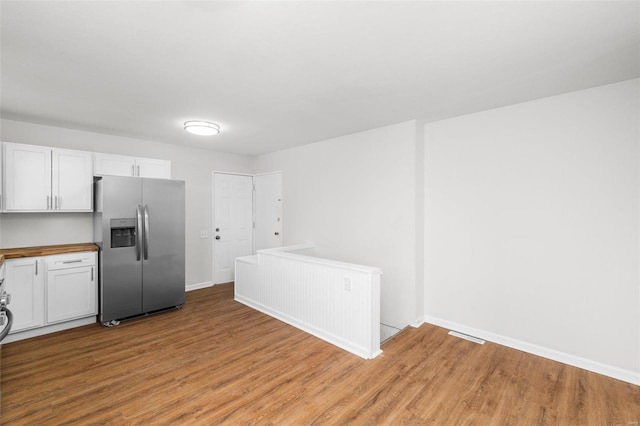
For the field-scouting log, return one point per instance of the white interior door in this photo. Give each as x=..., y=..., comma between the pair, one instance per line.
x=268, y=210
x=232, y=223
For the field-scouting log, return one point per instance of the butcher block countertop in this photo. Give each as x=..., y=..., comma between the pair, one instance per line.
x=14, y=253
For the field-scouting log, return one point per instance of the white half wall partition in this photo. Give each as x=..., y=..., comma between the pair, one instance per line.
x=335, y=301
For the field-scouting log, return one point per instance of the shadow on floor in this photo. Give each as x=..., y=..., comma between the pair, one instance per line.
x=387, y=332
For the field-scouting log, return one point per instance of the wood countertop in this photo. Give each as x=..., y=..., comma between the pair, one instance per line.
x=15, y=253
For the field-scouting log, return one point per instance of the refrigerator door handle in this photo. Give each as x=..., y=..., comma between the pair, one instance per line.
x=138, y=231
x=146, y=232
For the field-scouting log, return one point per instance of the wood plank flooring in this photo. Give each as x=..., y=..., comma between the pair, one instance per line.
x=219, y=362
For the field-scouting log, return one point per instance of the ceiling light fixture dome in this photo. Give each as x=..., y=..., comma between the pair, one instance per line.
x=201, y=128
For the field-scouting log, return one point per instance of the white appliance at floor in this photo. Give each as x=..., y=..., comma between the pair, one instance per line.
x=6, y=317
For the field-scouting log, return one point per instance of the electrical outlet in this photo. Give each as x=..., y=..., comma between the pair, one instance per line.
x=204, y=234
x=347, y=283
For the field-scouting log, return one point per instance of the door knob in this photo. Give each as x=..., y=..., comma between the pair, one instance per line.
x=217, y=237
x=276, y=233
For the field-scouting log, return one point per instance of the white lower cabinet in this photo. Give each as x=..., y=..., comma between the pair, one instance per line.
x=71, y=293
x=49, y=290
x=24, y=281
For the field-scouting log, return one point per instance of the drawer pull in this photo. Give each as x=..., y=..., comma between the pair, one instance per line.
x=72, y=261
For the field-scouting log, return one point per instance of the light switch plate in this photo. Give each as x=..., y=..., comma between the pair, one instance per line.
x=347, y=283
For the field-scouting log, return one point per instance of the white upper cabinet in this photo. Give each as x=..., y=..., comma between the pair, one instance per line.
x=27, y=177
x=39, y=178
x=121, y=165
x=72, y=180
x=148, y=167
x=116, y=165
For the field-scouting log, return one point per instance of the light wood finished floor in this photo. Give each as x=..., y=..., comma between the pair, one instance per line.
x=217, y=361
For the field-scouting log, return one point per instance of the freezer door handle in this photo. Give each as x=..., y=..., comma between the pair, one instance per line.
x=146, y=232
x=138, y=231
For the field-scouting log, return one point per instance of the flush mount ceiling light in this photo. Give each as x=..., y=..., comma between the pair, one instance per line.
x=201, y=128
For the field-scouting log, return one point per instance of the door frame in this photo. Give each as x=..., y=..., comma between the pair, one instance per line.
x=213, y=213
x=254, y=204
x=213, y=217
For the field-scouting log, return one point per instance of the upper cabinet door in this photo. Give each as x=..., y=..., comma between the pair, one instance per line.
x=27, y=177
x=115, y=165
x=147, y=167
x=121, y=165
x=72, y=180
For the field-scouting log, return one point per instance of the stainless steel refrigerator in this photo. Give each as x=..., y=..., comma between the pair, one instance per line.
x=139, y=225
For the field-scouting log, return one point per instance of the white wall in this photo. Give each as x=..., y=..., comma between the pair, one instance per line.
x=532, y=225
x=192, y=165
x=354, y=196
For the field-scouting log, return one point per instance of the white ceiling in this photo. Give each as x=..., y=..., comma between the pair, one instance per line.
x=280, y=74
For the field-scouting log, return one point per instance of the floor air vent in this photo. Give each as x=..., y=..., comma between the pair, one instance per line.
x=467, y=337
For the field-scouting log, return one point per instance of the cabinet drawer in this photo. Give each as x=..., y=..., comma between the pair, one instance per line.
x=70, y=260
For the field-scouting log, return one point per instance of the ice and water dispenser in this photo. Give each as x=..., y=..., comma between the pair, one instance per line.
x=123, y=233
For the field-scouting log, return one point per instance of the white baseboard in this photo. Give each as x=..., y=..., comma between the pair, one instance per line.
x=576, y=361
x=21, y=335
x=417, y=323
x=198, y=286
